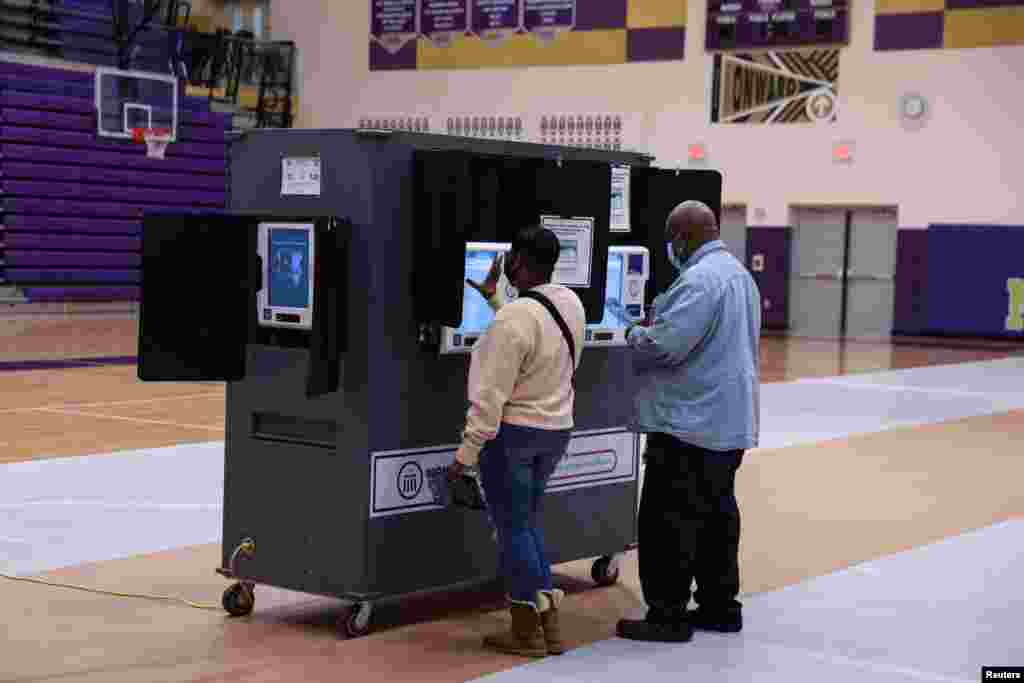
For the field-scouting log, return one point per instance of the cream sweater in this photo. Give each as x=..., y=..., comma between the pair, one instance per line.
x=520, y=370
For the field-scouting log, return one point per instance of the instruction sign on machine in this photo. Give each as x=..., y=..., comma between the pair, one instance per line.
x=300, y=176
x=576, y=237
x=399, y=480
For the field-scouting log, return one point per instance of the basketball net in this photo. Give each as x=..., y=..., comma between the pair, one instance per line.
x=156, y=140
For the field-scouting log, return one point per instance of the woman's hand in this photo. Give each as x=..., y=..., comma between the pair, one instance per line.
x=489, y=286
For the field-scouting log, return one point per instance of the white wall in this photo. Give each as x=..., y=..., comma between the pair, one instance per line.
x=966, y=164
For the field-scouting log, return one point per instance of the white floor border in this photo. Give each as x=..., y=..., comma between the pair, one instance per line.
x=69, y=511
x=937, y=613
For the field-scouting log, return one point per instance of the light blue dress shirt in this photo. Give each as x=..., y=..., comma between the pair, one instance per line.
x=698, y=362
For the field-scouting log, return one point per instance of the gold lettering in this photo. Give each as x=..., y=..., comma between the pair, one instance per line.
x=1015, y=316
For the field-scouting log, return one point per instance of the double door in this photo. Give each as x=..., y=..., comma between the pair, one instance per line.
x=842, y=280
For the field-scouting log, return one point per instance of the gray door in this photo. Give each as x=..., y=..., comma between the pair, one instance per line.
x=870, y=278
x=734, y=230
x=816, y=285
x=816, y=289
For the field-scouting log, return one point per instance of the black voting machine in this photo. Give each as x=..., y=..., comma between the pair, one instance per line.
x=330, y=427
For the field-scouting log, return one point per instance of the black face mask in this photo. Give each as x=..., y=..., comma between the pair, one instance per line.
x=509, y=270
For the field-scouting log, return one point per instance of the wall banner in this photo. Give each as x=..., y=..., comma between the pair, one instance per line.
x=799, y=86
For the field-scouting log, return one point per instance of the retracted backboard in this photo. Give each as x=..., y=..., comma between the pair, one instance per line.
x=126, y=100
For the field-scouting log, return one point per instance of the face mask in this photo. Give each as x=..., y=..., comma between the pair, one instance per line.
x=675, y=260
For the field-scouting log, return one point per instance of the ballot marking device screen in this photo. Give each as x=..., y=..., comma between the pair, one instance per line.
x=289, y=268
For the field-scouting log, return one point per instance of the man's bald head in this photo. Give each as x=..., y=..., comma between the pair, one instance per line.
x=693, y=222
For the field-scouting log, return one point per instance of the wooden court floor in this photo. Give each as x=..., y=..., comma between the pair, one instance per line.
x=807, y=511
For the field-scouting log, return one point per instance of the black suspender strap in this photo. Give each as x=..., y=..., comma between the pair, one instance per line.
x=546, y=303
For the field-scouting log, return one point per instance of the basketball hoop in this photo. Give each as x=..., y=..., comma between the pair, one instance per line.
x=156, y=140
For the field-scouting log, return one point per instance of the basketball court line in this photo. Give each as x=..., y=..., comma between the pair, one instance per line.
x=122, y=418
x=108, y=404
x=182, y=486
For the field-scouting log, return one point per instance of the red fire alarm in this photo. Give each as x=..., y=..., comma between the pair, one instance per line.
x=697, y=152
x=842, y=152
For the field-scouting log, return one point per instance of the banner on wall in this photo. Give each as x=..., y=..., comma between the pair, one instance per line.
x=799, y=86
x=476, y=34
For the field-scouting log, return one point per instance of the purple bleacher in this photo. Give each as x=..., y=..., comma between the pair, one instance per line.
x=75, y=226
x=82, y=191
x=36, y=241
x=17, y=258
x=62, y=207
x=82, y=293
x=73, y=275
x=122, y=158
x=89, y=140
x=72, y=201
x=111, y=176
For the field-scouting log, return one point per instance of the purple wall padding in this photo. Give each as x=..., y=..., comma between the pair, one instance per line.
x=910, y=313
x=72, y=202
x=774, y=244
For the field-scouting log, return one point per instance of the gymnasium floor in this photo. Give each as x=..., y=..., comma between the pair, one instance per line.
x=882, y=526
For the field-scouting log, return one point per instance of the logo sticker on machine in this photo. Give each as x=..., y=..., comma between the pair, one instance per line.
x=595, y=458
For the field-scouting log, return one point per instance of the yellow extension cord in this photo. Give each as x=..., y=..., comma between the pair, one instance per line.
x=246, y=547
x=116, y=594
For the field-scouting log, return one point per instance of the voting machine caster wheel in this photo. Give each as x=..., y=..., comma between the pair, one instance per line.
x=239, y=600
x=604, y=571
x=356, y=623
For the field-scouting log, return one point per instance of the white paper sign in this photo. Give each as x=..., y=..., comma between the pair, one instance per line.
x=399, y=478
x=300, y=177
x=620, y=199
x=576, y=235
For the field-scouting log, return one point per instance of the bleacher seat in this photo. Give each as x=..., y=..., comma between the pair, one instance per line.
x=73, y=202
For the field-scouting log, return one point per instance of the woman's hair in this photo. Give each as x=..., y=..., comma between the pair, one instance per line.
x=539, y=248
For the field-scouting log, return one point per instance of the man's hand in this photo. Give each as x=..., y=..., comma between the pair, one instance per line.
x=489, y=286
x=456, y=470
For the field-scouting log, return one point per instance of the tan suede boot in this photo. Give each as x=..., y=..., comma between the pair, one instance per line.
x=524, y=638
x=549, y=602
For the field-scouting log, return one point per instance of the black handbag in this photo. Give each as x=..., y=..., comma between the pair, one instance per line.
x=465, y=491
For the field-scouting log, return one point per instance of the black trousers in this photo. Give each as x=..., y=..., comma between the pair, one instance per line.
x=689, y=525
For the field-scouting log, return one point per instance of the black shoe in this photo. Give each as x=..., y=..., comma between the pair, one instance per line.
x=728, y=620
x=657, y=627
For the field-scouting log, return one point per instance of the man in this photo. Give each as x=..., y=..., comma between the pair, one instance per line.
x=698, y=403
x=518, y=428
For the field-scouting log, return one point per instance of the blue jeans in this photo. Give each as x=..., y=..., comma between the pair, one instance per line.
x=514, y=469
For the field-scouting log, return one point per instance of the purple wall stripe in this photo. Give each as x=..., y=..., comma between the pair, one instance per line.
x=655, y=44
x=981, y=4
x=910, y=315
x=607, y=14
x=775, y=245
x=909, y=31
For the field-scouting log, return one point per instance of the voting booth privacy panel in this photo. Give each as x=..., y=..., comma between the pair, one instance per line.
x=325, y=311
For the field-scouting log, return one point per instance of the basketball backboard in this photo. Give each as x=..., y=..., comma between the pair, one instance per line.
x=126, y=100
